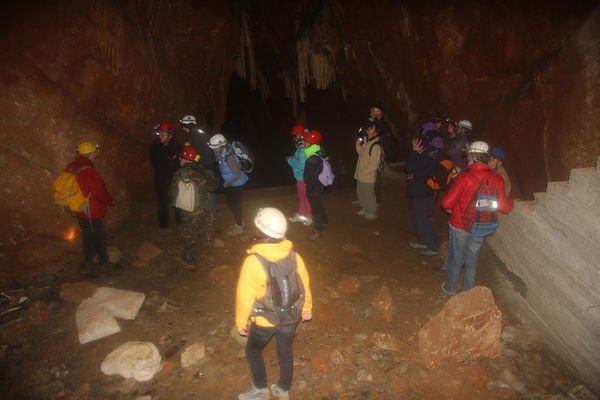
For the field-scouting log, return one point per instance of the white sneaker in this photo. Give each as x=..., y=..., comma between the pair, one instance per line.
x=361, y=213
x=307, y=221
x=296, y=218
x=255, y=393
x=235, y=230
x=279, y=392
x=369, y=216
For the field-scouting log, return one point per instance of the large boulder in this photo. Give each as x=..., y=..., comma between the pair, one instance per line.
x=468, y=327
x=137, y=360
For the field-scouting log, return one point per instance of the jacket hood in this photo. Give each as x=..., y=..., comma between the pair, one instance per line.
x=429, y=126
x=272, y=251
x=78, y=163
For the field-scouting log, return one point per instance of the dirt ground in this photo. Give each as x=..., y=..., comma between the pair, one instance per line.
x=337, y=355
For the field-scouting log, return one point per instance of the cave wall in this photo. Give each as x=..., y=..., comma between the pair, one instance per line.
x=104, y=71
x=525, y=72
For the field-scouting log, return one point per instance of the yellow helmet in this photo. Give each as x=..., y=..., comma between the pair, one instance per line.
x=86, y=148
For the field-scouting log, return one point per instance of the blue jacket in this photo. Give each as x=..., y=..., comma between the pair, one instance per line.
x=297, y=163
x=229, y=165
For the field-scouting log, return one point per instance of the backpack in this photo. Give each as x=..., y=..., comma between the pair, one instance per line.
x=187, y=194
x=284, y=294
x=244, y=155
x=444, y=172
x=381, y=157
x=481, y=215
x=326, y=177
x=67, y=192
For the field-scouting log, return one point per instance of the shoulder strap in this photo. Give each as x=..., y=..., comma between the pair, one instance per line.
x=371, y=148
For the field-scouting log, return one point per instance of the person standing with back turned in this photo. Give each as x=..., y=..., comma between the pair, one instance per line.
x=92, y=187
x=274, y=306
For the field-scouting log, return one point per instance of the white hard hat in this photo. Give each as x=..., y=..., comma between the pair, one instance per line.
x=217, y=141
x=465, y=124
x=478, y=147
x=271, y=222
x=188, y=119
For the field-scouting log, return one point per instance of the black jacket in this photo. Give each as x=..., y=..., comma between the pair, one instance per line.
x=419, y=167
x=165, y=159
x=200, y=142
x=312, y=169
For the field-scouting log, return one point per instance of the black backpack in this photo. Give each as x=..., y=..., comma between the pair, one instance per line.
x=284, y=295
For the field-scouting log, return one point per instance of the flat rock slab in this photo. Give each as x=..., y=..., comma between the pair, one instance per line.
x=137, y=360
x=94, y=321
x=123, y=303
x=95, y=317
x=468, y=327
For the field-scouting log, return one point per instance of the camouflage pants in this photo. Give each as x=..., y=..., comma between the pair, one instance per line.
x=198, y=234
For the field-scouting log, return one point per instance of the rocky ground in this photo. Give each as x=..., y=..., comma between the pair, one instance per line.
x=372, y=295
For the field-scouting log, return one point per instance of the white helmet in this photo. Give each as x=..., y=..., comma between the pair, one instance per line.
x=188, y=120
x=217, y=141
x=479, y=147
x=271, y=222
x=465, y=124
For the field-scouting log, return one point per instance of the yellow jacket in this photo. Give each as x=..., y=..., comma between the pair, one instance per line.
x=253, y=281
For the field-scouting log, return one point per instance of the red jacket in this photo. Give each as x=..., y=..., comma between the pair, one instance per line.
x=464, y=187
x=90, y=183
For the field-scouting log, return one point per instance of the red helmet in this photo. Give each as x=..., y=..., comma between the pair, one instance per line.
x=190, y=153
x=298, y=130
x=313, y=137
x=166, y=127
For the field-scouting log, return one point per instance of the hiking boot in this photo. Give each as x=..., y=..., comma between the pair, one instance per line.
x=429, y=253
x=417, y=245
x=235, y=230
x=314, y=236
x=307, y=221
x=361, y=213
x=188, y=266
x=296, y=218
x=369, y=216
x=279, y=392
x=445, y=291
x=440, y=271
x=255, y=393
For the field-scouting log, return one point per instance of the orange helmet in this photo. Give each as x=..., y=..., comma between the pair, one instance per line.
x=190, y=153
x=313, y=136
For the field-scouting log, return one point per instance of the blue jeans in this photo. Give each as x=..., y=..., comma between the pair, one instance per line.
x=463, y=248
x=212, y=201
x=422, y=222
x=258, y=337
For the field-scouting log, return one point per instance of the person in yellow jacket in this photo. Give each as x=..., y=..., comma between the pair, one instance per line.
x=275, y=252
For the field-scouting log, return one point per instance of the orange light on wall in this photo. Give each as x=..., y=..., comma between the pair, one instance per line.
x=69, y=234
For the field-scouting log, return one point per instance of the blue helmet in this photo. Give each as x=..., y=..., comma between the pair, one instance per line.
x=499, y=153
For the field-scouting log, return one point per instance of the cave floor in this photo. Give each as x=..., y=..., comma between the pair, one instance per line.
x=336, y=356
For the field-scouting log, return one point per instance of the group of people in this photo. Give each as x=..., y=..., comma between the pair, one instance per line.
x=273, y=292
x=474, y=167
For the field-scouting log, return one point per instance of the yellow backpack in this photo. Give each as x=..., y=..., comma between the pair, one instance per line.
x=67, y=193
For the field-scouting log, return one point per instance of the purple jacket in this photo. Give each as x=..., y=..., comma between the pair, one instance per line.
x=437, y=141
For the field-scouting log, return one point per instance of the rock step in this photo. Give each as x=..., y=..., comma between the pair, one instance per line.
x=561, y=299
x=580, y=225
x=554, y=241
x=584, y=185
